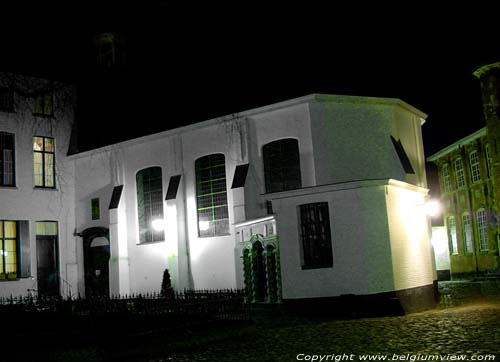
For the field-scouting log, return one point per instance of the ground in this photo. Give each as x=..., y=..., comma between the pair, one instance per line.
x=471, y=332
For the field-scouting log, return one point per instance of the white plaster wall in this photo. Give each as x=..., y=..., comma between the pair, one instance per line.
x=351, y=138
x=360, y=243
x=410, y=240
x=25, y=203
x=406, y=127
x=291, y=122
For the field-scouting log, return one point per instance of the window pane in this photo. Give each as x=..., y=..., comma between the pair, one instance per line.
x=149, y=203
x=49, y=144
x=46, y=228
x=47, y=110
x=282, y=165
x=315, y=235
x=10, y=255
x=38, y=144
x=211, y=195
x=49, y=170
x=9, y=229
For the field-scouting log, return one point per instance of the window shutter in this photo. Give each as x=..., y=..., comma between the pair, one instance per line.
x=25, y=251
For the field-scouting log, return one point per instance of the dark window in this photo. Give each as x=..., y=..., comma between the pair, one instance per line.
x=8, y=250
x=149, y=204
x=96, y=211
x=44, y=105
x=44, y=162
x=7, y=159
x=211, y=195
x=315, y=235
x=282, y=165
x=6, y=100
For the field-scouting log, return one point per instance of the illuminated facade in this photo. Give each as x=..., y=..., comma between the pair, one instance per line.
x=469, y=212
x=469, y=171
x=318, y=196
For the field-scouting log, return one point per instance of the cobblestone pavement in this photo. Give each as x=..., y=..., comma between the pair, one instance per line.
x=471, y=331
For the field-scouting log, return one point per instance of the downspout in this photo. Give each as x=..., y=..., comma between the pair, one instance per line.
x=185, y=223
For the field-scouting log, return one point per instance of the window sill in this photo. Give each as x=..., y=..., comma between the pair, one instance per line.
x=8, y=187
x=150, y=242
x=43, y=115
x=213, y=236
x=46, y=188
x=7, y=110
x=309, y=267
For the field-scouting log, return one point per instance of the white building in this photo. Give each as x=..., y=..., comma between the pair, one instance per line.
x=319, y=196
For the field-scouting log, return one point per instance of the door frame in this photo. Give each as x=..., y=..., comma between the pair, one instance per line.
x=88, y=235
x=56, y=259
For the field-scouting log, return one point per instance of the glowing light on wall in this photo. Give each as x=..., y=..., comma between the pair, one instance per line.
x=158, y=224
x=204, y=225
x=432, y=208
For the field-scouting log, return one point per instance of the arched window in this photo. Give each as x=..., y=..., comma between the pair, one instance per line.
x=211, y=196
x=150, y=204
x=282, y=165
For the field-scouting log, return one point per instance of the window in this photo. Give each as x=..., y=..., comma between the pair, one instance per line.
x=460, y=173
x=315, y=235
x=6, y=99
x=474, y=167
x=282, y=165
x=95, y=210
x=446, y=178
x=7, y=159
x=44, y=104
x=452, y=235
x=482, y=229
x=149, y=204
x=8, y=250
x=211, y=196
x=488, y=160
x=44, y=162
x=467, y=233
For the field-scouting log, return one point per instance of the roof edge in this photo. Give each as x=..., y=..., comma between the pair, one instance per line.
x=479, y=133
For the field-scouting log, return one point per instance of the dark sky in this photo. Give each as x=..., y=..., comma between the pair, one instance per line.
x=183, y=72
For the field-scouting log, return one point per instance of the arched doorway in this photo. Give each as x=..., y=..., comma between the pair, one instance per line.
x=96, y=252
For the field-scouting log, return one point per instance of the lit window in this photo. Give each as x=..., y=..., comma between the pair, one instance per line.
x=474, y=167
x=282, y=165
x=467, y=233
x=488, y=160
x=452, y=235
x=8, y=250
x=460, y=173
x=315, y=235
x=149, y=203
x=211, y=196
x=446, y=178
x=44, y=162
x=95, y=210
x=482, y=231
x=44, y=104
x=6, y=159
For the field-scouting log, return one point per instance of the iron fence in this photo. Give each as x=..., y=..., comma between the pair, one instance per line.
x=226, y=304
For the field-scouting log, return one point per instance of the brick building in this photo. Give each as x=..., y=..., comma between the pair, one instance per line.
x=469, y=172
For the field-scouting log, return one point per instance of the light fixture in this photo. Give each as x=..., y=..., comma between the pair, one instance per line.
x=432, y=208
x=204, y=225
x=158, y=224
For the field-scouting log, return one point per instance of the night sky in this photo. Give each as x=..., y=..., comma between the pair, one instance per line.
x=180, y=73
